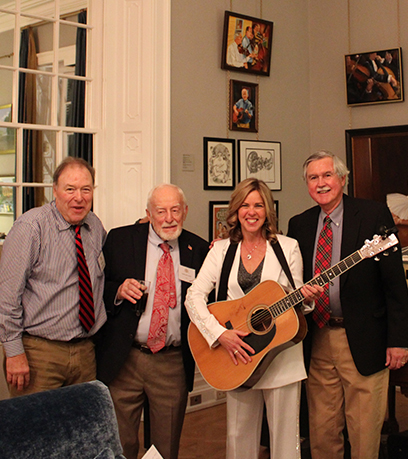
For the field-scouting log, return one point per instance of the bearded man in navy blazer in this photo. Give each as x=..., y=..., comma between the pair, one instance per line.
x=367, y=335
x=125, y=362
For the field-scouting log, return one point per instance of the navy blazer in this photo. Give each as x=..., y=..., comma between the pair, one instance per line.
x=125, y=255
x=373, y=294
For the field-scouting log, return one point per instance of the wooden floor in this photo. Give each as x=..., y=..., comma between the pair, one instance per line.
x=204, y=432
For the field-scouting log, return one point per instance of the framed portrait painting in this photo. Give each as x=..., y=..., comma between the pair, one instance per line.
x=261, y=160
x=243, y=110
x=218, y=227
x=374, y=77
x=247, y=44
x=219, y=164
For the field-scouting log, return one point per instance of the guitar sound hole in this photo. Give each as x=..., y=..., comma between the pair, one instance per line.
x=261, y=320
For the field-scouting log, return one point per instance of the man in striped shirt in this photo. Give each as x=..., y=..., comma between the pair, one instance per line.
x=44, y=342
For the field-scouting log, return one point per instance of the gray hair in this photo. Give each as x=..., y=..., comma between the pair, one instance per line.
x=339, y=167
x=165, y=185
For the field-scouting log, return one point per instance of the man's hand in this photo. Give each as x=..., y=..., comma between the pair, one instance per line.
x=18, y=371
x=130, y=290
x=397, y=357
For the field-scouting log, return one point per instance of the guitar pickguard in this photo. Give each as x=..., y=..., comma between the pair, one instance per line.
x=259, y=342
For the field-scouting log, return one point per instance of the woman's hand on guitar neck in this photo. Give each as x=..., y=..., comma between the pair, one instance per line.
x=232, y=342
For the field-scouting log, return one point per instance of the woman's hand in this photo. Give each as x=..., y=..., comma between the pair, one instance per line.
x=311, y=293
x=232, y=342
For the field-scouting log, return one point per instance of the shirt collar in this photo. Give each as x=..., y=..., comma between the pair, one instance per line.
x=62, y=224
x=336, y=216
x=156, y=240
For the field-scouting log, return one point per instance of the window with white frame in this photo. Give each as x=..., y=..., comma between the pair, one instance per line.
x=45, y=83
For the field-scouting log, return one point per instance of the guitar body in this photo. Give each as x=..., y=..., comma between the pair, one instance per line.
x=267, y=336
x=237, y=118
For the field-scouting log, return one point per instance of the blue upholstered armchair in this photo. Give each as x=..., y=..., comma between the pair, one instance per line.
x=72, y=422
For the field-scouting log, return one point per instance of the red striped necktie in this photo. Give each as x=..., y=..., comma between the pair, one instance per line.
x=86, y=303
x=321, y=314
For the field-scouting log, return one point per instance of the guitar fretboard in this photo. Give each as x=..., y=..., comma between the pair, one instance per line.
x=296, y=297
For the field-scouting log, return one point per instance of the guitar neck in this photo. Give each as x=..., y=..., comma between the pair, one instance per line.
x=296, y=297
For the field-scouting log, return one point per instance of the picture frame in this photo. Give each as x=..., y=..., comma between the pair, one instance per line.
x=218, y=227
x=219, y=163
x=262, y=160
x=243, y=109
x=374, y=77
x=246, y=44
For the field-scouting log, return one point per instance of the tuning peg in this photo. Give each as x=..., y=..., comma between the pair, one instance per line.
x=376, y=259
x=394, y=249
x=386, y=253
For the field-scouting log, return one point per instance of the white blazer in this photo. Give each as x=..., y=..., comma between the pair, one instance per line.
x=288, y=366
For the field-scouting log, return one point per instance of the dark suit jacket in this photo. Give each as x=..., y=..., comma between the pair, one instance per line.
x=373, y=294
x=125, y=255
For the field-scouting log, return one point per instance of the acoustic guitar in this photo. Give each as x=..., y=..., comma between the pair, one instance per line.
x=272, y=320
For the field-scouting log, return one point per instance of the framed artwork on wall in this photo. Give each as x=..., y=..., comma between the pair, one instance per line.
x=261, y=160
x=374, y=77
x=218, y=227
x=243, y=110
x=219, y=164
x=247, y=44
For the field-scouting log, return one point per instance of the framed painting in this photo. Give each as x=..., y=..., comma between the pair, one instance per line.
x=219, y=164
x=218, y=228
x=247, y=44
x=261, y=160
x=243, y=110
x=374, y=77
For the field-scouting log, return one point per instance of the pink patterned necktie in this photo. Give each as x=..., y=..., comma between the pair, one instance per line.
x=86, y=303
x=164, y=297
x=321, y=314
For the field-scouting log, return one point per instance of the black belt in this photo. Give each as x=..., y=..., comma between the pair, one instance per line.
x=146, y=350
x=71, y=341
x=336, y=322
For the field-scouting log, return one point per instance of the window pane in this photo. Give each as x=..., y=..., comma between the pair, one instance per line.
x=6, y=38
x=35, y=90
x=7, y=152
x=71, y=102
x=73, y=48
x=7, y=206
x=45, y=8
x=6, y=90
x=36, y=197
x=78, y=145
x=39, y=154
x=74, y=17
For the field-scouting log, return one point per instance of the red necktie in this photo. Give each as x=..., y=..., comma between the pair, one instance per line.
x=321, y=313
x=86, y=303
x=164, y=297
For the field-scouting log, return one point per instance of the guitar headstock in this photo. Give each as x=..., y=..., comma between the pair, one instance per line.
x=377, y=245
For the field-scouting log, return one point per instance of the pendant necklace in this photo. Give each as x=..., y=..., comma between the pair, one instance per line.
x=249, y=256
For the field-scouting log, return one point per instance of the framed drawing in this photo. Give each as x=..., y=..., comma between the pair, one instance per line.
x=219, y=164
x=261, y=160
x=246, y=44
x=374, y=77
x=7, y=135
x=243, y=110
x=218, y=227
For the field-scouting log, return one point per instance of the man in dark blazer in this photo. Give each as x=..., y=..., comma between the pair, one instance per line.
x=349, y=358
x=127, y=361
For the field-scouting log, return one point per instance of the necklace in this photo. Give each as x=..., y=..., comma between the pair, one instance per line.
x=249, y=256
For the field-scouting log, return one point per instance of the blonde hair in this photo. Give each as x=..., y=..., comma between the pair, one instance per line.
x=238, y=197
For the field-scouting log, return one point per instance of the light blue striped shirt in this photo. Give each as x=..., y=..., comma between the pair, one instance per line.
x=39, y=292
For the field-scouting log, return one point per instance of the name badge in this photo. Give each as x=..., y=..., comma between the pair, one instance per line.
x=187, y=274
x=101, y=261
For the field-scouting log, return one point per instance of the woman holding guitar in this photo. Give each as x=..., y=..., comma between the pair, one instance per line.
x=252, y=259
